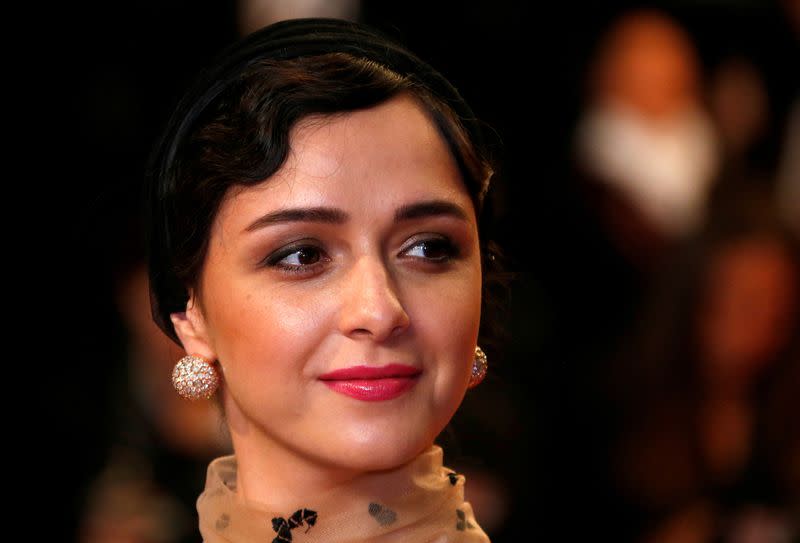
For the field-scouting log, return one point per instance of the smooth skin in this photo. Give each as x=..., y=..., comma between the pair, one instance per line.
x=361, y=250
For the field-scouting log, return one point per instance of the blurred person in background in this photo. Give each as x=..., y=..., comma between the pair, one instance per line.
x=645, y=156
x=709, y=442
x=739, y=105
x=646, y=146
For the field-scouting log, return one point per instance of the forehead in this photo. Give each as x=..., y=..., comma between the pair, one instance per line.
x=364, y=161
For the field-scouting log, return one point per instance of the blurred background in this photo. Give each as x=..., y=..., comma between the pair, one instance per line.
x=647, y=384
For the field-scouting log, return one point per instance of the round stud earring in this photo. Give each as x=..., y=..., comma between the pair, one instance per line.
x=195, y=378
x=479, y=366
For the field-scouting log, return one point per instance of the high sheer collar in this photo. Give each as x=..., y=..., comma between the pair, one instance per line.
x=422, y=501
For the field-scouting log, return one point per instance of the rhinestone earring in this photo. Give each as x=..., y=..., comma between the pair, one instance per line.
x=479, y=366
x=195, y=378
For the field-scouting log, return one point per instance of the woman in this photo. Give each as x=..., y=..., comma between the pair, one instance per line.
x=313, y=212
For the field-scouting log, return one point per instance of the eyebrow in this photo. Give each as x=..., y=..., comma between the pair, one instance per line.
x=417, y=210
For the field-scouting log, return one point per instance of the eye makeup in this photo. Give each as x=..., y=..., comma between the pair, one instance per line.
x=308, y=257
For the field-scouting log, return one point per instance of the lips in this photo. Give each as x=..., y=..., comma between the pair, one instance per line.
x=372, y=383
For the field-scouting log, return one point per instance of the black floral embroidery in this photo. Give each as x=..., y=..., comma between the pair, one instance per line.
x=382, y=514
x=284, y=527
x=461, y=521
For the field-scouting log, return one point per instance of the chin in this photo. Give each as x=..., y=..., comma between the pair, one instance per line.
x=376, y=451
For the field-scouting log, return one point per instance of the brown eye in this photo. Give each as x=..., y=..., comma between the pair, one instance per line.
x=304, y=256
x=299, y=258
x=433, y=249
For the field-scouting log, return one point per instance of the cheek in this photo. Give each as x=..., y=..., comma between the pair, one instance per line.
x=258, y=331
x=446, y=315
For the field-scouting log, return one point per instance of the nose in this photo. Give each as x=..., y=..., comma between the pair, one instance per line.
x=371, y=305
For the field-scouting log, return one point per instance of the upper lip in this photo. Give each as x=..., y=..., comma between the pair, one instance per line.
x=371, y=372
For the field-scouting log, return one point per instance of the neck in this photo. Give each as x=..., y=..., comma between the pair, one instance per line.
x=279, y=478
x=272, y=473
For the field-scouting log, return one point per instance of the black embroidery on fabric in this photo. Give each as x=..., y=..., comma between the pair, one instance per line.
x=453, y=476
x=281, y=527
x=382, y=514
x=461, y=521
x=284, y=527
x=222, y=522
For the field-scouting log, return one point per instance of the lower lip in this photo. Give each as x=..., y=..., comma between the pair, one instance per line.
x=373, y=390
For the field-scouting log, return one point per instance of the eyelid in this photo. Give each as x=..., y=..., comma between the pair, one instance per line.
x=449, y=246
x=416, y=239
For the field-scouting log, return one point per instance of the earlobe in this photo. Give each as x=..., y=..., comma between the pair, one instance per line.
x=191, y=329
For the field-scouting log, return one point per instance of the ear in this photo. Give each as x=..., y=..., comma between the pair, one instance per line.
x=191, y=328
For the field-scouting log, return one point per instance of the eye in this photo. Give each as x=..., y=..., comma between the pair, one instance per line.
x=297, y=259
x=437, y=250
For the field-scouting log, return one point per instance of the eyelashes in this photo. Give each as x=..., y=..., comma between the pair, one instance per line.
x=438, y=250
x=307, y=258
x=302, y=258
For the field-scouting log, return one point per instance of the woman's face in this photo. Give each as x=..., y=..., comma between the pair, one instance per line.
x=361, y=252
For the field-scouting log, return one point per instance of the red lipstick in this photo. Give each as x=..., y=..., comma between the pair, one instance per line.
x=372, y=383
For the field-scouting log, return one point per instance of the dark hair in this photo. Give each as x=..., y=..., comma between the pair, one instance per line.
x=232, y=128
